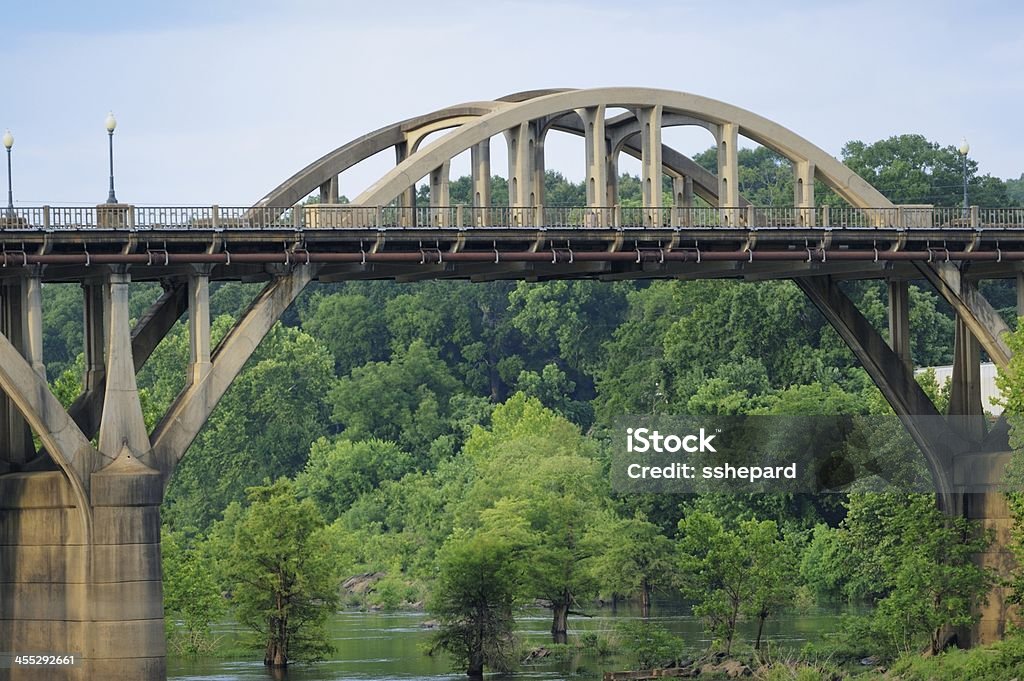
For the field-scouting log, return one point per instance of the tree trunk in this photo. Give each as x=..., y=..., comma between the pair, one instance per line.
x=761, y=617
x=560, y=619
x=276, y=654
x=476, y=665
x=732, y=627
x=645, y=600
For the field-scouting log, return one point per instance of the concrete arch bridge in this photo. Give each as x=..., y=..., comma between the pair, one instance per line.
x=79, y=515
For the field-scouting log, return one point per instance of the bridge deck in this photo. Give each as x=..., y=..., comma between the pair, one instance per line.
x=531, y=243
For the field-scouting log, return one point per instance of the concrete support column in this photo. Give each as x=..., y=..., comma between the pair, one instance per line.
x=728, y=173
x=121, y=422
x=95, y=324
x=407, y=199
x=682, y=201
x=899, y=321
x=978, y=478
x=596, y=141
x=199, y=324
x=966, y=412
x=480, y=159
x=34, y=322
x=329, y=190
x=16, y=445
x=1020, y=294
x=650, y=163
x=538, y=173
x=439, y=195
x=521, y=195
x=96, y=312
x=613, y=184
x=803, y=192
x=73, y=587
x=991, y=510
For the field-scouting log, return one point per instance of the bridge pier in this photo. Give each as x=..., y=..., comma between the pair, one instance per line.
x=79, y=524
x=978, y=476
x=83, y=580
x=967, y=463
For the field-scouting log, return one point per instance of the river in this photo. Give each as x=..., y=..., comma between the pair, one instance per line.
x=379, y=645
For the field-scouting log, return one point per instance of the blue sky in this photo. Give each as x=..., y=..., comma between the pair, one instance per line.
x=219, y=101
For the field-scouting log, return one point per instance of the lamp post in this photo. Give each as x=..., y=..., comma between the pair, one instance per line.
x=8, y=141
x=963, y=149
x=111, y=125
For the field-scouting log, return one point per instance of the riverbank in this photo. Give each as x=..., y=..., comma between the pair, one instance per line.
x=1002, y=661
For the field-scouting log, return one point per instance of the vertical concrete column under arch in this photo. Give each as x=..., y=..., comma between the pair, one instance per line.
x=480, y=160
x=803, y=192
x=650, y=163
x=407, y=199
x=899, y=321
x=966, y=412
x=613, y=186
x=682, y=201
x=537, y=201
x=728, y=173
x=596, y=142
x=440, y=197
x=520, y=173
x=329, y=190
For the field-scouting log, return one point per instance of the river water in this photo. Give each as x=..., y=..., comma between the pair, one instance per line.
x=378, y=645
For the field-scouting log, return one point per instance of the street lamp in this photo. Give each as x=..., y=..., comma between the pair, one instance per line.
x=963, y=149
x=111, y=125
x=8, y=141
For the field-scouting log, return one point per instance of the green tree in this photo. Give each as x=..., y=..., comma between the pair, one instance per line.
x=191, y=593
x=936, y=582
x=337, y=473
x=405, y=400
x=632, y=556
x=912, y=169
x=555, y=389
x=734, y=572
x=350, y=326
x=773, y=572
x=648, y=645
x=1015, y=190
x=473, y=599
x=535, y=469
x=569, y=319
x=263, y=426
x=274, y=555
x=1010, y=381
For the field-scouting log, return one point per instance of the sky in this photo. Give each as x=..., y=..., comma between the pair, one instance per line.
x=219, y=102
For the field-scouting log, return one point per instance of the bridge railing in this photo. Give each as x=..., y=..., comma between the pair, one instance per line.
x=343, y=216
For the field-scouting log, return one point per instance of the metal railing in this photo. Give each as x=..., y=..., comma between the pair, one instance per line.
x=344, y=217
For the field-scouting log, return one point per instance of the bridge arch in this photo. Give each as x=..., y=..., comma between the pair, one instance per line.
x=730, y=119
x=476, y=122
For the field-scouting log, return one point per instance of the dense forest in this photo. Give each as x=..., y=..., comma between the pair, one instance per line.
x=450, y=439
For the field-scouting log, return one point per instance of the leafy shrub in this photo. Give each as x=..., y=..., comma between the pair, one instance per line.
x=998, y=662
x=647, y=645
